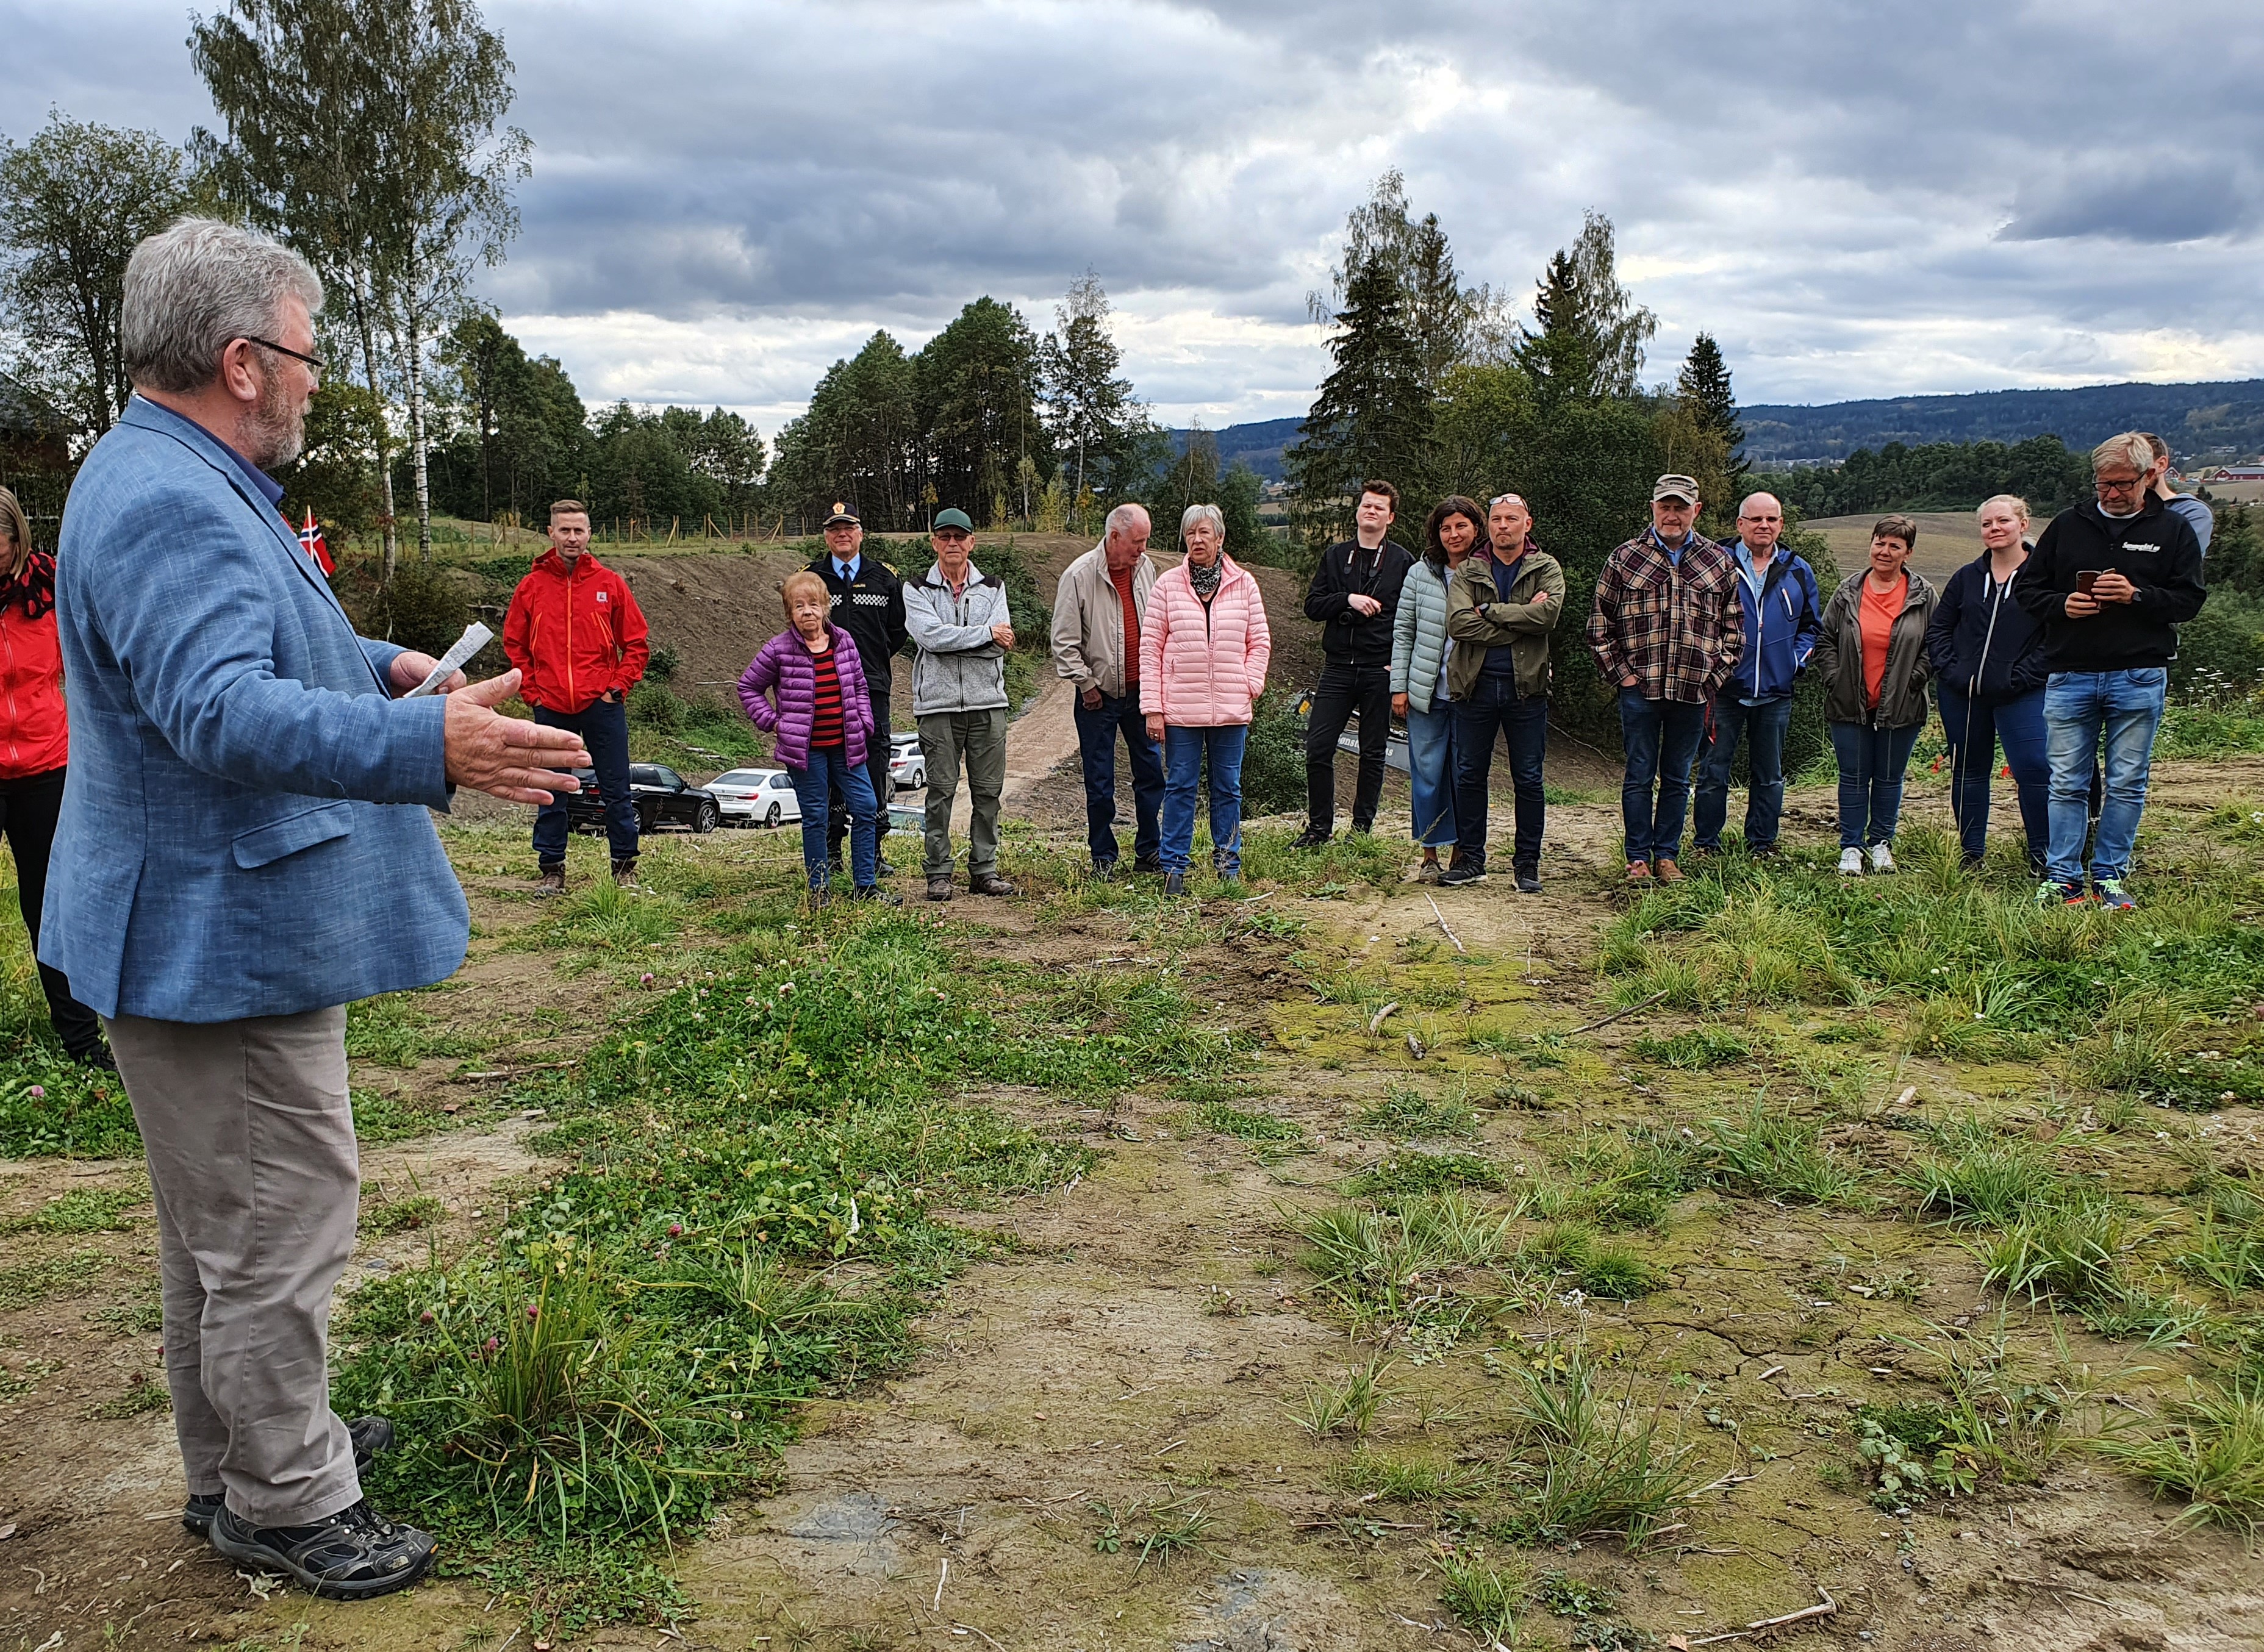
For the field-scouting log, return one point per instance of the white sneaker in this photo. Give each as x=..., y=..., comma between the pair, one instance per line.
x=1851, y=863
x=1882, y=858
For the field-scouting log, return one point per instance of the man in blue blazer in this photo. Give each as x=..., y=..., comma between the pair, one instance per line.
x=244, y=849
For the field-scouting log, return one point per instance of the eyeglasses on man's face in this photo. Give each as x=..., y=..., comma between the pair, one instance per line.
x=314, y=362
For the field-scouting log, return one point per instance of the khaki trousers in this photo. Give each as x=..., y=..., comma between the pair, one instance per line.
x=249, y=1139
x=979, y=738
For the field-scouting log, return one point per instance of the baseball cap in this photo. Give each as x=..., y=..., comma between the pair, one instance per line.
x=1674, y=487
x=842, y=512
x=950, y=519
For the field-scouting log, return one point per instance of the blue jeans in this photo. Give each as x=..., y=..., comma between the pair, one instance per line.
x=830, y=771
x=1973, y=728
x=1184, y=750
x=2079, y=707
x=1431, y=770
x=1661, y=736
x=604, y=726
x=1493, y=705
x=876, y=771
x=1096, y=742
x=1871, y=765
x=1762, y=729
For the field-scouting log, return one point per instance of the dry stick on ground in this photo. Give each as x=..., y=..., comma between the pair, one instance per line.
x=1375, y=1022
x=1824, y=1610
x=1449, y=933
x=1619, y=1015
x=513, y=1072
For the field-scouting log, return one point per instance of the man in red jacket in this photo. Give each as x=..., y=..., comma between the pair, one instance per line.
x=578, y=637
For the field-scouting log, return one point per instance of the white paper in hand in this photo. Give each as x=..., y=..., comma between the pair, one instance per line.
x=476, y=636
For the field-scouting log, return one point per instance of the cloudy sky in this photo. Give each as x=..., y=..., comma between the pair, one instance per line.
x=1856, y=200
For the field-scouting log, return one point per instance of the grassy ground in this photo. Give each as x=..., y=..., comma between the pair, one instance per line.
x=1332, y=1262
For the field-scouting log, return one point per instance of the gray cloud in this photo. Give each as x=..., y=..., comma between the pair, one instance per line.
x=1855, y=199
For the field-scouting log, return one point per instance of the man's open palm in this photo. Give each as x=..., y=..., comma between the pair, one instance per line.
x=507, y=757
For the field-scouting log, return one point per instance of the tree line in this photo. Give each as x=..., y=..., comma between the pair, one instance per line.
x=1938, y=476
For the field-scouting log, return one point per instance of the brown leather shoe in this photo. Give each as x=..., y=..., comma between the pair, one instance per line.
x=1665, y=871
x=990, y=883
x=553, y=880
x=939, y=887
x=1638, y=871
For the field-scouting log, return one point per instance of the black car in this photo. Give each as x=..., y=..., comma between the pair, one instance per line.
x=664, y=801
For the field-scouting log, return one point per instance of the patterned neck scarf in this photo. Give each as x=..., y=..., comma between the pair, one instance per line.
x=34, y=588
x=1206, y=580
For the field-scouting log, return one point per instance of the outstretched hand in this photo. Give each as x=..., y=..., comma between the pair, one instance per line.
x=507, y=757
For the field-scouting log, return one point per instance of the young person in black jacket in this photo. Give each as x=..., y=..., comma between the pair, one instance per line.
x=868, y=603
x=1356, y=596
x=2110, y=582
x=1988, y=655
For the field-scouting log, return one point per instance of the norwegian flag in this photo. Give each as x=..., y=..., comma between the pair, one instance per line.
x=311, y=538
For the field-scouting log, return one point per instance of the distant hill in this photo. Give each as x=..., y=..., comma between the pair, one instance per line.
x=2210, y=421
x=2213, y=421
x=1258, y=445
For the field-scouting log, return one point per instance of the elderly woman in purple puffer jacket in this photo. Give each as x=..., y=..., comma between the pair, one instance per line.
x=808, y=686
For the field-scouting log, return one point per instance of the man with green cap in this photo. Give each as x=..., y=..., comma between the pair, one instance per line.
x=957, y=616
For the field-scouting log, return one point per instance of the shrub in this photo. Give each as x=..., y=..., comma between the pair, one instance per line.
x=1274, y=761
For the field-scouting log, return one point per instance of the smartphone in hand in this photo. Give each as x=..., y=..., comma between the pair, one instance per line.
x=2085, y=579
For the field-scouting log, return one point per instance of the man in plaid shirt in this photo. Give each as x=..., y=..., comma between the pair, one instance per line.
x=1667, y=629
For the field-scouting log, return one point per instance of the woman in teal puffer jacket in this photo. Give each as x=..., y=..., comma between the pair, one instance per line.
x=1420, y=648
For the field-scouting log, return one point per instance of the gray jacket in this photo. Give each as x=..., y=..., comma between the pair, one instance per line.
x=1088, y=636
x=1838, y=657
x=959, y=665
x=1419, y=643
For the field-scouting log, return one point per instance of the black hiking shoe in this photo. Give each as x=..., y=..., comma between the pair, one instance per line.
x=354, y=1555
x=1149, y=866
x=1462, y=872
x=1311, y=837
x=873, y=894
x=370, y=1436
x=1528, y=879
x=1175, y=883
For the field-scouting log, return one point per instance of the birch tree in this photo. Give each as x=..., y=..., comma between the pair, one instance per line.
x=369, y=134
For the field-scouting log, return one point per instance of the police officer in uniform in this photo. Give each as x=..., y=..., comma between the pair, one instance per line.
x=868, y=603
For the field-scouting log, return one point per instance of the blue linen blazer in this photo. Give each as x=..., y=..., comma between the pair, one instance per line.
x=243, y=827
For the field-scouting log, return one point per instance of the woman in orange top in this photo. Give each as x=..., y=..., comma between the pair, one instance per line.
x=1870, y=653
x=35, y=742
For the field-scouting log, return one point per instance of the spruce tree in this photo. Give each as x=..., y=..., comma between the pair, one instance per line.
x=1588, y=333
x=1704, y=387
x=1373, y=416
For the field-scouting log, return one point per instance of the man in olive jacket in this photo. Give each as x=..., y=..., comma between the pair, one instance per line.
x=1501, y=605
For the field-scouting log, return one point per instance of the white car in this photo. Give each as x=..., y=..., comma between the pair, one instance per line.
x=756, y=797
x=907, y=764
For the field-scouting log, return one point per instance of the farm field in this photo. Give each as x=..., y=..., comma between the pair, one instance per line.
x=1947, y=541
x=1323, y=1268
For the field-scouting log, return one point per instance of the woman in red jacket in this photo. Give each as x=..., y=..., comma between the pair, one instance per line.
x=35, y=742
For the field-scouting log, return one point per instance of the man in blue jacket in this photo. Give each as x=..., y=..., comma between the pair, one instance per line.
x=244, y=849
x=1778, y=589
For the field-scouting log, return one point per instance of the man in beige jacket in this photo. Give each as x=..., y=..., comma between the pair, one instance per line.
x=1098, y=609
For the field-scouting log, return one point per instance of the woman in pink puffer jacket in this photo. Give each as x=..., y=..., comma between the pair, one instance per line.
x=1203, y=649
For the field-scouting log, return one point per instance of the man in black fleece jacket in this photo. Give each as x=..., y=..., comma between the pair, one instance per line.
x=2110, y=582
x=1354, y=596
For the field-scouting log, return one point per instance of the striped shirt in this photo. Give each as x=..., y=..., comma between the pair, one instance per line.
x=825, y=729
